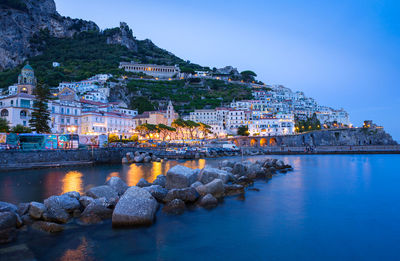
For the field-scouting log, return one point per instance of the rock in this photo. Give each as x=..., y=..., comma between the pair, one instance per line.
x=234, y=189
x=245, y=181
x=185, y=194
x=77, y=213
x=143, y=183
x=124, y=160
x=197, y=155
x=6, y=207
x=215, y=188
x=255, y=171
x=85, y=201
x=73, y=194
x=48, y=227
x=36, y=210
x=175, y=207
x=8, y=224
x=147, y=159
x=226, y=163
x=96, y=211
x=208, y=201
x=158, y=192
x=255, y=189
x=180, y=177
x=227, y=169
x=27, y=220
x=104, y=191
x=208, y=174
x=136, y=207
x=138, y=159
x=196, y=184
x=62, y=202
x=57, y=215
x=161, y=180
x=23, y=208
x=137, y=153
x=239, y=168
x=118, y=185
x=158, y=160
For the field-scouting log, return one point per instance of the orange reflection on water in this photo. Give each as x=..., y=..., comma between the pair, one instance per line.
x=155, y=171
x=80, y=253
x=135, y=173
x=72, y=181
x=195, y=164
x=112, y=174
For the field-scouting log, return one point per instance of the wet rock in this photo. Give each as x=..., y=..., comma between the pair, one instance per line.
x=5, y=207
x=125, y=160
x=185, y=194
x=158, y=192
x=233, y=189
x=175, y=207
x=73, y=194
x=27, y=220
x=161, y=180
x=226, y=163
x=208, y=201
x=138, y=159
x=36, y=210
x=96, y=211
x=227, y=169
x=57, y=215
x=104, y=191
x=63, y=202
x=8, y=224
x=77, y=213
x=23, y=208
x=208, y=174
x=143, y=183
x=196, y=184
x=245, y=181
x=48, y=227
x=118, y=185
x=254, y=189
x=136, y=207
x=239, y=168
x=85, y=201
x=147, y=159
x=180, y=177
x=255, y=171
x=215, y=188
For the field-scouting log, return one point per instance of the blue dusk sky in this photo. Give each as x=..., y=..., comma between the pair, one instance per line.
x=345, y=54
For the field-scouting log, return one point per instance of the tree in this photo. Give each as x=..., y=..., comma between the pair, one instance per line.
x=40, y=115
x=21, y=129
x=4, y=125
x=113, y=138
x=164, y=130
x=191, y=126
x=248, y=76
x=243, y=131
x=179, y=124
x=204, y=129
x=146, y=129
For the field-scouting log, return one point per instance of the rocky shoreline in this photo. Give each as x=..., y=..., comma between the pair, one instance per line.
x=174, y=192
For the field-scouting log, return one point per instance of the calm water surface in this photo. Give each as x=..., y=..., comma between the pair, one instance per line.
x=332, y=207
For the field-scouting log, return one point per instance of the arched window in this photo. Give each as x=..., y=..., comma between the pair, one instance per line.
x=4, y=113
x=23, y=114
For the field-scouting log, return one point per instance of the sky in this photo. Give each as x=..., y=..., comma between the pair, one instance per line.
x=343, y=53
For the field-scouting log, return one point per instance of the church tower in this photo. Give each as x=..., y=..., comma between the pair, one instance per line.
x=26, y=80
x=171, y=114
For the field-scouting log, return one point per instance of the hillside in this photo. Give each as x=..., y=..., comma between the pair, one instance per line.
x=186, y=95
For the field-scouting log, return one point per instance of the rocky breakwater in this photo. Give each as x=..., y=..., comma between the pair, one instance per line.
x=139, y=157
x=179, y=189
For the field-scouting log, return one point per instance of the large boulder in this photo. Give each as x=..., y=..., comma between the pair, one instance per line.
x=138, y=159
x=73, y=194
x=208, y=201
x=57, y=215
x=118, y=185
x=215, y=188
x=8, y=223
x=180, y=177
x=255, y=171
x=226, y=163
x=104, y=191
x=160, y=180
x=23, y=208
x=96, y=211
x=143, y=183
x=36, y=210
x=136, y=207
x=147, y=159
x=5, y=207
x=208, y=174
x=157, y=192
x=48, y=227
x=85, y=201
x=185, y=194
x=64, y=202
x=239, y=168
x=175, y=207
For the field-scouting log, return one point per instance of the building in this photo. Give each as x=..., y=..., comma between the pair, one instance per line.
x=17, y=109
x=157, y=71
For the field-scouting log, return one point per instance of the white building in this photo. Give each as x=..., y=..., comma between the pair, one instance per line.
x=158, y=71
x=17, y=109
x=65, y=115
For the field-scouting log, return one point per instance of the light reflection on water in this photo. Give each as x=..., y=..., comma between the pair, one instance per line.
x=72, y=182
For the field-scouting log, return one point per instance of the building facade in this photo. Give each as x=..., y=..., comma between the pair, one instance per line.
x=157, y=71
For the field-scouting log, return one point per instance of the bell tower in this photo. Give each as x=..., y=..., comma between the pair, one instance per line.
x=26, y=80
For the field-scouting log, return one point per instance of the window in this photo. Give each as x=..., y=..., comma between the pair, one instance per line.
x=4, y=113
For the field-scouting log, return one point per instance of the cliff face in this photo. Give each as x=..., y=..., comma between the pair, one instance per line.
x=18, y=23
x=123, y=36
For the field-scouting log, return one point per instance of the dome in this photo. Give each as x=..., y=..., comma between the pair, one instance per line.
x=27, y=67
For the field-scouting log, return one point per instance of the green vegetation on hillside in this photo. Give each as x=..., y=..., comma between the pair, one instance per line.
x=185, y=95
x=85, y=55
x=14, y=4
